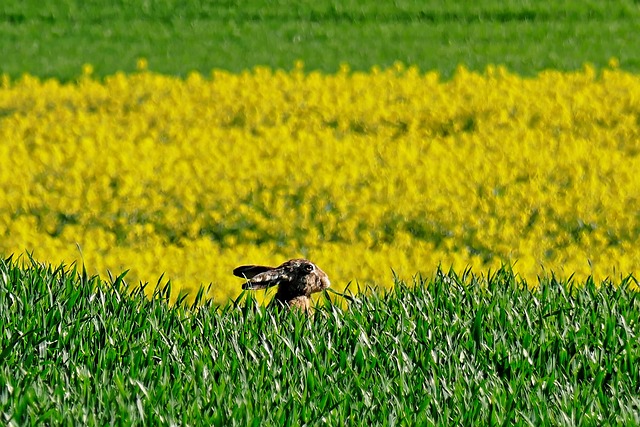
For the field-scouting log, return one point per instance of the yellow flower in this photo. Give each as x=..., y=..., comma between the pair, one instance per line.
x=365, y=173
x=142, y=64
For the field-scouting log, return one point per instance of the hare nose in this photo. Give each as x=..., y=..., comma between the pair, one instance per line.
x=327, y=283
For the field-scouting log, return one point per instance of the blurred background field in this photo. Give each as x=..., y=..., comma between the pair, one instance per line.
x=54, y=39
x=366, y=168
x=365, y=173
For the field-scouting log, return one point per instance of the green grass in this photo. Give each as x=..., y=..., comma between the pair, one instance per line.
x=454, y=349
x=54, y=39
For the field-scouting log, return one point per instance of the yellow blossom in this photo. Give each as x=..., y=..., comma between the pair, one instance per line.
x=365, y=173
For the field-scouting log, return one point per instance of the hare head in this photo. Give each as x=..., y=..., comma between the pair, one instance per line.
x=296, y=279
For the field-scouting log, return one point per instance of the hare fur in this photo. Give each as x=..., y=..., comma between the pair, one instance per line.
x=296, y=279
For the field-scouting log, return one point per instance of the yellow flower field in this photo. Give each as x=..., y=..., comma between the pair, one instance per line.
x=361, y=172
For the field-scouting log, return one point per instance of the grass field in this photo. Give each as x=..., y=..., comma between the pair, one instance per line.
x=57, y=38
x=449, y=350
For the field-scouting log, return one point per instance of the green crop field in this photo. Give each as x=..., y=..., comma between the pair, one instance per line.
x=54, y=39
x=451, y=350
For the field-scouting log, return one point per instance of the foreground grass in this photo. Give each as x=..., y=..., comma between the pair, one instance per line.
x=448, y=350
x=55, y=39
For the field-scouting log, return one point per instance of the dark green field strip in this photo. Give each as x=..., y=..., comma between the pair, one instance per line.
x=451, y=350
x=351, y=10
x=55, y=40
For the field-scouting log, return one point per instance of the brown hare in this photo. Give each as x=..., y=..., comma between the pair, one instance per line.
x=297, y=279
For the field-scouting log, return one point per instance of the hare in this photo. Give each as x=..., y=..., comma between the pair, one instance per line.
x=297, y=279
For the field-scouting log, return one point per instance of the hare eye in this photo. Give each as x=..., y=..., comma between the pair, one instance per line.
x=308, y=268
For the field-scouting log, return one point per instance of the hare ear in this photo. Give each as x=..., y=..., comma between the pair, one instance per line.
x=253, y=286
x=250, y=271
x=267, y=279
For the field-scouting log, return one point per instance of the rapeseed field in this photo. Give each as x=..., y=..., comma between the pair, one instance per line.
x=370, y=174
